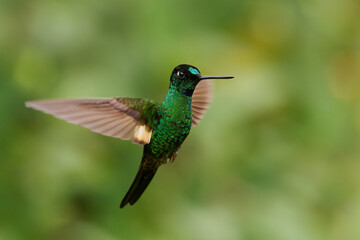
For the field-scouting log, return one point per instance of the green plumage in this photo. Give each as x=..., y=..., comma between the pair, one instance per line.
x=173, y=126
x=172, y=122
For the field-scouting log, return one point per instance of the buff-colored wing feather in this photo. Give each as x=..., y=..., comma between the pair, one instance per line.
x=107, y=116
x=201, y=100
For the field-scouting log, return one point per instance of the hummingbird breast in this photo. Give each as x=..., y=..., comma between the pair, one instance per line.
x=171, y=130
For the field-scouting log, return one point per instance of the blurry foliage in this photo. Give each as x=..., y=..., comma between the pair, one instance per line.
x=277, y=156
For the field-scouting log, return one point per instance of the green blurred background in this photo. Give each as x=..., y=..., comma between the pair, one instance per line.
x=277, y=155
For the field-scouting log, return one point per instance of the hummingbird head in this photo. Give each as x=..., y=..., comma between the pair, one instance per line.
x=185, y=78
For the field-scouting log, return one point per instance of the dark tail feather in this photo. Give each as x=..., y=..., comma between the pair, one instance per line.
x=141, y=181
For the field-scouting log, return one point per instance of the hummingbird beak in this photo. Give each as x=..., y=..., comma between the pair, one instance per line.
x=202, y=77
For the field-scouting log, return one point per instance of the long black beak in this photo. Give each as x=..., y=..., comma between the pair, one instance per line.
x=202, y=77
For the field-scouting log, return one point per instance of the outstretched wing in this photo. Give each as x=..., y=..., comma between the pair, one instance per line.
x=115, y=117
x=201, y=100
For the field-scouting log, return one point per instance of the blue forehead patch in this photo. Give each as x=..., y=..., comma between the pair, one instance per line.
x=194, y=71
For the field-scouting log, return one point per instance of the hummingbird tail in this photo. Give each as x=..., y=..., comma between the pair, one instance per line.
x=141, y=181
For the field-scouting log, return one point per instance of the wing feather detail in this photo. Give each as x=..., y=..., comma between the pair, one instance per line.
x=201, y=100
x=107, y=116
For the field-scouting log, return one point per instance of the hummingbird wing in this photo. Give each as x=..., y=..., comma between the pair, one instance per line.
x=115, y=117
x=201, y=100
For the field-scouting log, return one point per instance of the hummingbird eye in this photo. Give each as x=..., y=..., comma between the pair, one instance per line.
x=180, y=74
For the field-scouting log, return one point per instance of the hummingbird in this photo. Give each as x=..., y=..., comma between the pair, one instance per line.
x=160, y=127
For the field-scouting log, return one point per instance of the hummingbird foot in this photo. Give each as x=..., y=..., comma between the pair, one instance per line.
x=172, y=158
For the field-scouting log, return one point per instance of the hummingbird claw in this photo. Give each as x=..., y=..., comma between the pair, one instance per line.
x=172, y=158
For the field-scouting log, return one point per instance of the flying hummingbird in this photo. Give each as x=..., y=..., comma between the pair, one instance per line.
x=160, y=127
